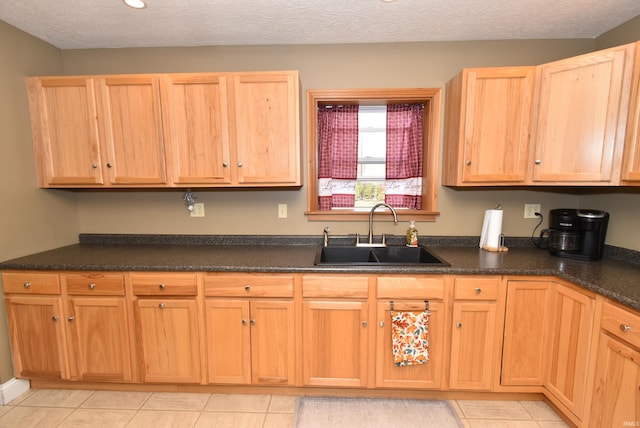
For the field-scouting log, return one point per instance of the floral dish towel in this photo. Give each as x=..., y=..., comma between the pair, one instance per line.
x=409, y=337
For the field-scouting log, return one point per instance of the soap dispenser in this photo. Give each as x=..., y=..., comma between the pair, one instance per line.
x=412, y=235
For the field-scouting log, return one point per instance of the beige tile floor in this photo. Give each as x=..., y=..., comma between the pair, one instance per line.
x=44, y=408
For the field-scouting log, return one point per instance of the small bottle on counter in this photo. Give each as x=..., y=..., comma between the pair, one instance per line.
x=412, y=234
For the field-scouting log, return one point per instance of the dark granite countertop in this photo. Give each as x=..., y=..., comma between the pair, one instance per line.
x=612, y=277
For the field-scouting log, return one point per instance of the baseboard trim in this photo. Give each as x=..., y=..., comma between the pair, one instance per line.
x=13, y=389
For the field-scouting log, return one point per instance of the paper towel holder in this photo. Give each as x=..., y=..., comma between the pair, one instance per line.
x=500, y=247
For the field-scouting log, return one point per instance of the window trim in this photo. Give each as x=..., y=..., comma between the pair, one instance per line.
x=431, y=97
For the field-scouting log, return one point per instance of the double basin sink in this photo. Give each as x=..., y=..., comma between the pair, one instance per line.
x=377, y=256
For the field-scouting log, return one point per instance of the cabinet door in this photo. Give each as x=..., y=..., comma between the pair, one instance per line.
x=129, y=108
x=579, y=125
x=196, y=106
x=472, y=345
x=616, y=398
x=168, y=340
x=228, y=341
x=631, y=161
x=428, y=375
x=335, y=343
x=272, y=342
x=99, y=336
x=488, y=125
x=571, y=348
x=526, y=332
x=65, y=131
x=266, y=128
x=37, y=337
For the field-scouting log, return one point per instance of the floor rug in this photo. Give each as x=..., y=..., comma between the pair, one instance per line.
x=326, y=412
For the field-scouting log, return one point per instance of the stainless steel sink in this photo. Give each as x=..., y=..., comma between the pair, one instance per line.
x=385, y=256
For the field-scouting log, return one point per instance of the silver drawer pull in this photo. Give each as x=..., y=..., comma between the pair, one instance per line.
x=162, y=286
x=247, y=288
x=161, y=305
x=381, y=324
x=625, y=327
x=364, y=323
x=55, y=318
x=27, y=284
x=71, y=318
x=458, y=325
x=478, y=290
x=252, y=322
x=244, y=322
x=92, y=286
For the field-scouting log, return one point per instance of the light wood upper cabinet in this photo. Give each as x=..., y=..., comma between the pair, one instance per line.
x=167, y=130
x=265, y=128
x=65, y=131
x=196, y=106
x=131, y=118
x=487, y=126
x=631, y=160
x=580, y=114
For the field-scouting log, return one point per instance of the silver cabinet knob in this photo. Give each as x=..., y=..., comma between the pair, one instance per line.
x=468, y=162
x=94, y=165
x=109, y=165
x=26, y=285
x=364, y=323
x=537, y=161
x=161, y=305
x=92, y=286
x=225, y=164
x=478, y=290
x=253, y=322
x=239, y=164
x=381, y=324
x=55, y=318
x=244, y=322
x=247, y=288
x=625, y=327
x=162, y=286
x=71, y=318
x=458, y=325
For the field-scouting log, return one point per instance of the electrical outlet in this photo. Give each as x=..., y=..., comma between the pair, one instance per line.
x=282, y=210
x=198, y=210
x=530, y=210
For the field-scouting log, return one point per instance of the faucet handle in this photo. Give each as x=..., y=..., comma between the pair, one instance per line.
x=384, y=239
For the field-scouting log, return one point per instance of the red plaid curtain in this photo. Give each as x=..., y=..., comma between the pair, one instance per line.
x=404, y=156
x=337, y=156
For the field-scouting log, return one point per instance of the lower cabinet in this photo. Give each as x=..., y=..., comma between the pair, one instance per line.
x=527, y=332
x=167, y=327
x=616, y=390
x=411, y=294
x=476, y=334
x=37, y=337
x=572, y=322
x=335, y=328
x=250, y=341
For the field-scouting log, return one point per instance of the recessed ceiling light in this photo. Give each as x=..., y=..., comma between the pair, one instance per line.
x=136, y=4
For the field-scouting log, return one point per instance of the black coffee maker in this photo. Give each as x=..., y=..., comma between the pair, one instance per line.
x=575, y=233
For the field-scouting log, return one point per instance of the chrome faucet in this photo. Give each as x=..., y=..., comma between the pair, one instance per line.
x=370, y=243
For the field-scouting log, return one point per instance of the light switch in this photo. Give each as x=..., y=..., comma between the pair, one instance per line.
x=282, y=210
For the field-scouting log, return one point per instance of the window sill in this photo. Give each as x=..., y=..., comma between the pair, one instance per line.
x=346, y=215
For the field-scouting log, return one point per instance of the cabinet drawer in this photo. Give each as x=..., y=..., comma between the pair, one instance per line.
x=94, y=284
x=621, y=323
x=165, y=284
x=476, y=288
x=30, y=283
x=356, y=287
x=424, y=288
x=248, y=286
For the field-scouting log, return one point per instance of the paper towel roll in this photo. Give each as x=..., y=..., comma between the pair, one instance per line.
x=491, y=229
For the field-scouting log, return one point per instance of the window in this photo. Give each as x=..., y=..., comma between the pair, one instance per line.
x=378, y=154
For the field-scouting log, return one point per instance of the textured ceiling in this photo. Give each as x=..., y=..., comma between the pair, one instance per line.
x=73, y=24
